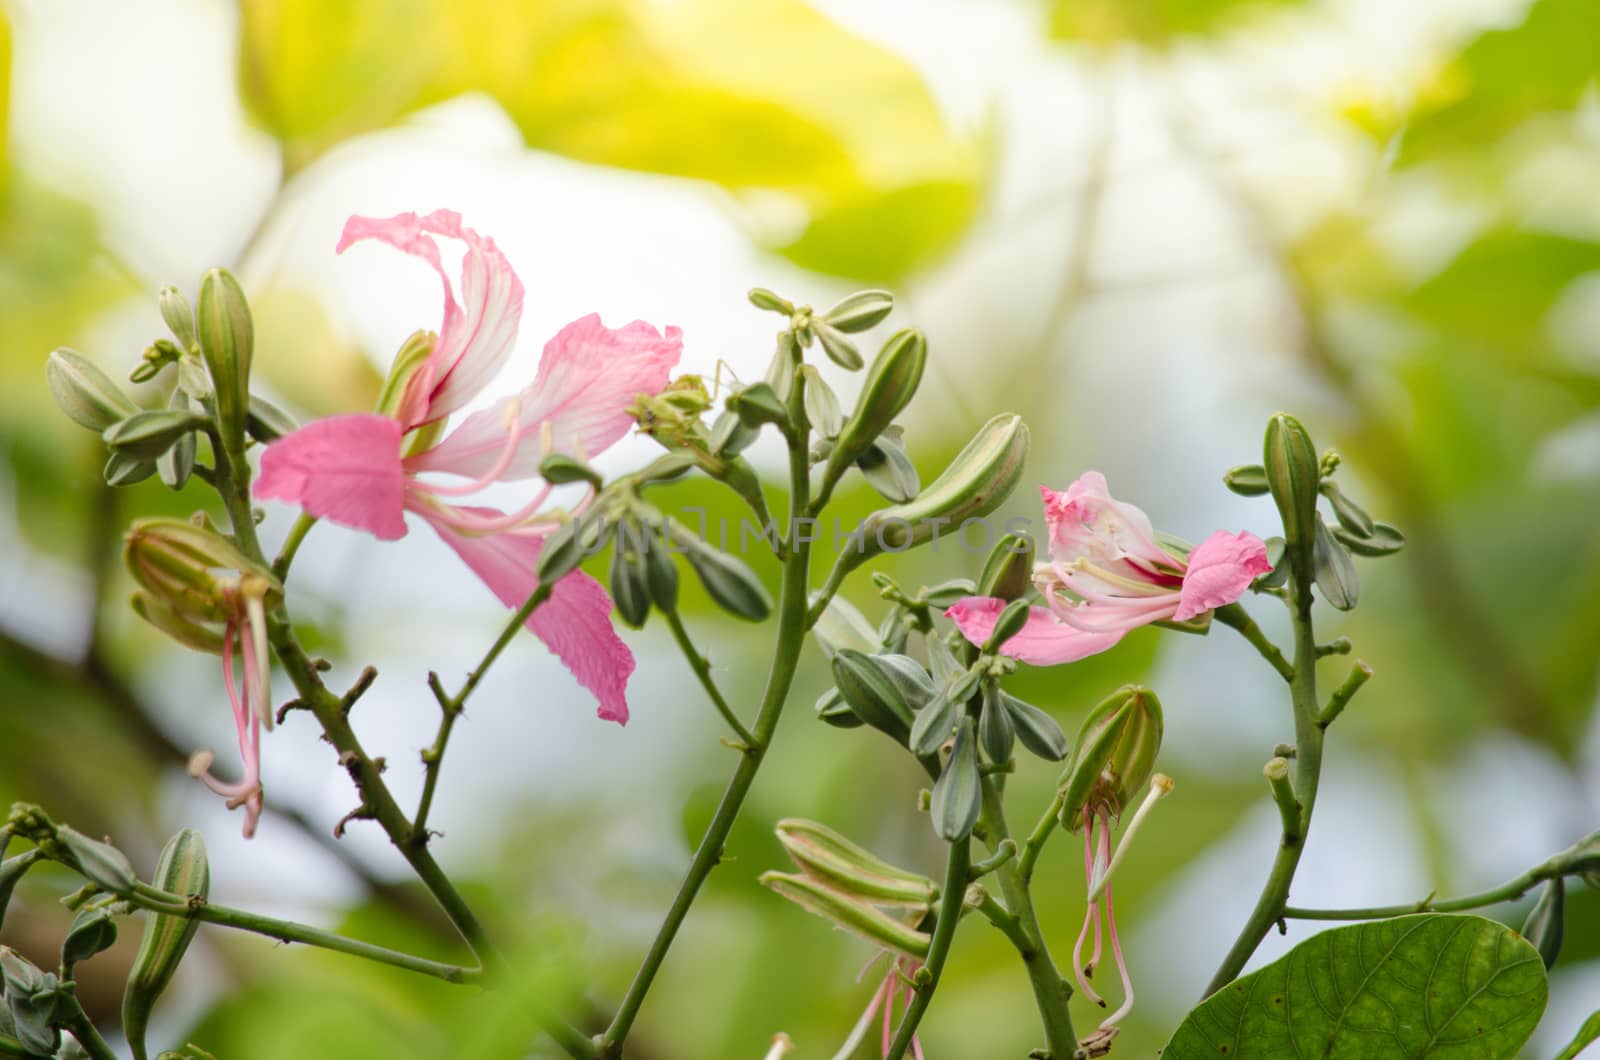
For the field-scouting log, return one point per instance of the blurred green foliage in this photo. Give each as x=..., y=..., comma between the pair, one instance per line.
x=1152, y=23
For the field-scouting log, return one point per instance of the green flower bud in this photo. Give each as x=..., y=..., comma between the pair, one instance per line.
x=1351, y=515
x=123, y=470
x=853, y=915
x=1546, y=922
x=887, y=390
x=840, y=350
x=888, y=469
x=944, y=594
x=842, y=626
x=12, y=870
x=728, y=581
x=177, y=463
x=762, y=298
x=661, y=574
x=101, y=863
x=1037, y=730
x=227, y=342
x=832, y=709
x=829, y=857
x=1008, y=572
x=92, y=931
x=147, y=435
x=1333, y=569
x=266, y=422
x=1007, y=625
x=33, y=998
x=1293, y=474
x=859, y=311
x=1247, y=480
x=413, y=352
x=875, y=698
x=908, y=676
x=1384, y=540
x=85, y=393
x=822, y=404
x=630, y=586
x=1114, y=755
x=183, y=870
x=933, y=725
x=559, y=469
x=165, y=617
x=179, y=316
x=957, y=794
x=977, y=482
x=995, y=729
x=759, y=404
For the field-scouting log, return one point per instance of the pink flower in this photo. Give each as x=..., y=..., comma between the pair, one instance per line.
x=246, y=630
x=365, y=470
x=1108, y=574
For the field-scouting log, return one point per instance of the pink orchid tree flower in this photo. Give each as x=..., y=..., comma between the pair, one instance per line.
x=901, y=970
x=1108, y=574
x=366, y=470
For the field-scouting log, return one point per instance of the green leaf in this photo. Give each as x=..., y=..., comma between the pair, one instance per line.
x=1153, y=23
x=1415, y=986
x=1587, y=1035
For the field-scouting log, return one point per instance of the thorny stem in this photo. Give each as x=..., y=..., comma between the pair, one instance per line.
x=956, y=869
x=158, y=901
x=790, y=637
x=1308, y=732
x=702, y=670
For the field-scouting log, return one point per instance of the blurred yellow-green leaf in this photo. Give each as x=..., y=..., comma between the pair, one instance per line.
x=1153, y=23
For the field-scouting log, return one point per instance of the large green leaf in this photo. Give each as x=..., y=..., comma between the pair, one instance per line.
x=757, y=97
x=1430, y=985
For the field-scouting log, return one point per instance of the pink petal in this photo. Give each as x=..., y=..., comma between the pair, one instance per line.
x=476, y=335
x=1220, y=570
x=1043, y=640
x=1086, y=521
x=575, y=622
x=587, y=378
x=343, y=468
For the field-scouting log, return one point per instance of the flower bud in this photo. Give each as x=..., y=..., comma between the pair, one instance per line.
x=995, y=729
x=822, y=404
x=1351, y=515
x=661, y=574
x=762, y=298
x=842, y=626
x=840, y=350
x=1247, y=480
x=147, y=435
x=123, y=470
x=164, y=617
x=183, y=870
x=1384, y=540
x=975, y=483
x=957, y=794
x=1114, y=755
x=195, y=572
x=177, y=463
x=908, y=676
x=85, y=393
x=1037, y=730
x=829, y=857
x=227, y=342
x=727, y=580
x=1334, y=571
x=859, y=311
x=92, y=931
x=32, y=998
x=888, y=469
x=266, y=422
x=630, y=586
x=759, y=404
x=559, y=469
x=1293, y=474
x=1007, y=625
x=875, y=699
x=890, y=384
x=413, y=353
x=832, y=709
x=1008, y=572
x=933, y=724
x=1547, y=920
x=101, y=863
x=851, y=914
x=179, y=317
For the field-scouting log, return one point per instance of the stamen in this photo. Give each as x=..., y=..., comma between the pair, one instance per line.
x=1160, y=787
x=257, y=670
x=1122, y=968
x=511, y=416
x=1091, y=916
x=470, y=523
x=888, y=1011
x=858, y=1033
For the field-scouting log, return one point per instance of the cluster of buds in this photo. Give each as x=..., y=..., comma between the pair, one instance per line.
x=199, y=589
x=1112, y=762
x=861, y=893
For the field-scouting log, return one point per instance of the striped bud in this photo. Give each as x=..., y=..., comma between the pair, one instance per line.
x=179, y=317
x=85, y=393
x=859, y=311
x=851, y=914
x=183, y=870
x=890, y=384
x=101, y=863
x=957, y=794
x=147, y=435
x=227, y=342
x=1114, y=755
x=1008, y=572
x=829, y=857
x=728, y=581
x=875, y=698
x=1293, y=474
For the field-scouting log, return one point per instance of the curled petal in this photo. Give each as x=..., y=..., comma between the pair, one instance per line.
x=1043, y=641
x=1220, y=570
x=575, y=622
x=587, y=378
x=1087, y=522
x=477, y=333
x=343, y=468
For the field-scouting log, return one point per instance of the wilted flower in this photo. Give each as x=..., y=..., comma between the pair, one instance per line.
x=365, y=470
x=1108, y=574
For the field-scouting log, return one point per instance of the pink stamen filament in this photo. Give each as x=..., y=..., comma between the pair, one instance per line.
x=893, y=982
x=1122, y=968
x=247, y=791
x=508, y=452
x=858, y=1033
x=1090, y=917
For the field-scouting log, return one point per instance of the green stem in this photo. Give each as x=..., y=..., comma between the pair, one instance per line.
x=10, y=1047
x=702, y=669
x=78, y=1022
x=1509, y=891
x=1042, y=831
x=790, y=637
x=158, y=901
x=291, y=545
x=1308, y=730
x=1359, y=674
x=1238, y=618
x=956, y=869
x=1001, y=918
x=1050, y=991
